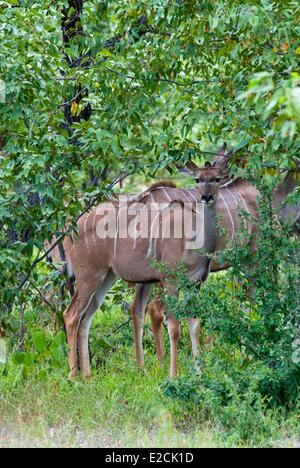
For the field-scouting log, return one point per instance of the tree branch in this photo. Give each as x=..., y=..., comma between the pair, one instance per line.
x=45, y=300
x=177, y=83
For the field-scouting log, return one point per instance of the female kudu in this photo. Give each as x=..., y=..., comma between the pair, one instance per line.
x=97, y=260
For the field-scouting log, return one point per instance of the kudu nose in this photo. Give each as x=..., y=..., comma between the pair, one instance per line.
x=207, y=198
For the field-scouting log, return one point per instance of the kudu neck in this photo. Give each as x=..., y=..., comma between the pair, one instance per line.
x=210, y=227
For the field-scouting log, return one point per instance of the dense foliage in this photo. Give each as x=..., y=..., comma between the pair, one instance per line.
x=92, y=91
x=251, y=314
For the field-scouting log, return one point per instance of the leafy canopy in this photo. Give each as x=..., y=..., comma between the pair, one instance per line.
x=186, y=77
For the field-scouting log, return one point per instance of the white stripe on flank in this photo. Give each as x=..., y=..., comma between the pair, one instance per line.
x=118, y=226
x=150, y=252
x=227, y=183
x=135, y=233
x=238, y=205
x=230, y=216
x=244, y=203
x=94, y=230
x=85, y=233
x=153, y=205
x=116, y=235
x=152, y=198
x=153, y=240
x=166, y=194
x=192, y=195
x=186, y=196
x=246, y=209
x=233, y=197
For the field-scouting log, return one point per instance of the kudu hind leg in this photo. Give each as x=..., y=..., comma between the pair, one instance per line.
x=174, y=329
x=138, y=311
x=96, y=300
x=83, y=339
x=157, y=311
x=80, y=304
x=72, y=320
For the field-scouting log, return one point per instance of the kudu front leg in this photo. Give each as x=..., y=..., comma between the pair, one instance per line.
x=194, y=329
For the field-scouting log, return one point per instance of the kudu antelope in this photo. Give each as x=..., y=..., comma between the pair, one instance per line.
x=97, y=261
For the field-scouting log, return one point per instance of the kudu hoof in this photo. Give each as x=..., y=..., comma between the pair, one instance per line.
x=87, y=378
x=173, y=376
x=73, y=375
x=140, y=364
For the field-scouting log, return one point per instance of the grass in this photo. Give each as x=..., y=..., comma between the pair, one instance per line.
x=122, y=407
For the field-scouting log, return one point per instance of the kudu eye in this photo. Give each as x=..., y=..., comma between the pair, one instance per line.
x=218, y=180
x=197, y=180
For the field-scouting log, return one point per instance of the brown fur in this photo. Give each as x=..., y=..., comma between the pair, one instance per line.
x=97, y=262
x=162, y=183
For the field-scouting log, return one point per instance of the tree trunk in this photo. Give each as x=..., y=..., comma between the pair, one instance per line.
x=71, y=29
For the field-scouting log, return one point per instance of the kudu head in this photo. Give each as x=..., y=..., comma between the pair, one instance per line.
x=210, y=177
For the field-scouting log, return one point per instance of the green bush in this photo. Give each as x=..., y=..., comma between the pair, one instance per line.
x=251, y=365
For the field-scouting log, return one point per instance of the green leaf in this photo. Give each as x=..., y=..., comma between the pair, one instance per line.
x=39, y=340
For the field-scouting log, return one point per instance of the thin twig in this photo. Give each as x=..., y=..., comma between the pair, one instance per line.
x=42, y=296
x=164, y=80
x=119, y=328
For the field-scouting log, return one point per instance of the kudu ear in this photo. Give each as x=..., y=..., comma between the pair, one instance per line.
x=222, y=159
x=190, y=168
x=222, y=150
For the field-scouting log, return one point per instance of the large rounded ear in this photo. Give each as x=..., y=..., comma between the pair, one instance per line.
x=224, y=163
x=222, y=151
x=222, y=156
x=222, y=159
x=190, y=168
